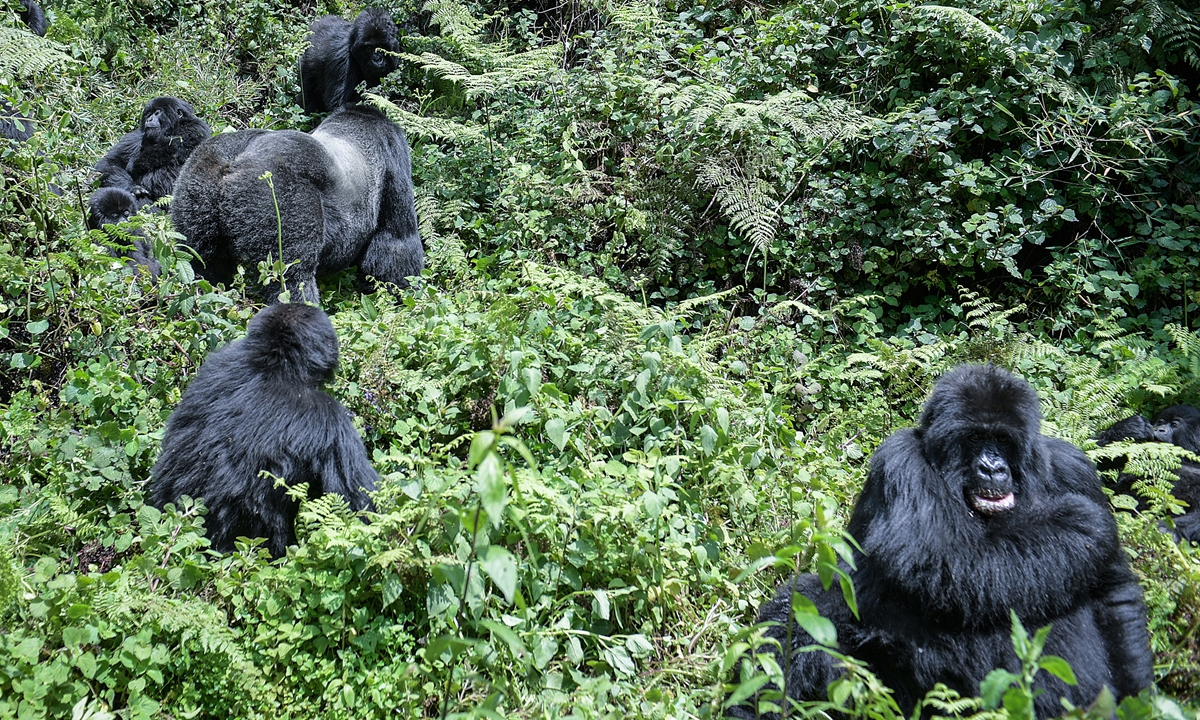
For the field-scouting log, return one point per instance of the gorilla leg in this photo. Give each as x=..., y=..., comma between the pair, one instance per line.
x=258, y=230
x=389, y=258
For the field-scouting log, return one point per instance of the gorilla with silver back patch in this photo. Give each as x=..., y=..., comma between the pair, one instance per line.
x=341, y=55
x=256, y=405
x=1177, y=425
x=970, y=515
x=341, y=196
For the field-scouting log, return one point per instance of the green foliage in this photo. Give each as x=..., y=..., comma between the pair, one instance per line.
x=687, y=267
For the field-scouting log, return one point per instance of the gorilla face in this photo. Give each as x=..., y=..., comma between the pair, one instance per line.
x=162, y=115
x=977, y=429
x=1178, y=425
x=373, y=43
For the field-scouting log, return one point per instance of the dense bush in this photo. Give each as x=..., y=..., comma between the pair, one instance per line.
x=599, y=452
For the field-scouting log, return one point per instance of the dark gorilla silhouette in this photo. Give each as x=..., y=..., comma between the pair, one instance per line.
x=144, y=163
x=344, y=195
x=342, y=55
x=256, y=405
x=1177, y=425
x=13, y=125
x=34, y=17
x=963, y=518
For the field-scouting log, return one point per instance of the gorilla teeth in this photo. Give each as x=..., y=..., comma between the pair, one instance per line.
x=989, y=504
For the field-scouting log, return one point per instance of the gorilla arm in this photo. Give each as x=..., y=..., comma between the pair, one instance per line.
x=114, y=166
x=808, y=673
x=1134, y=429
x=923, y=545
x=345, y=468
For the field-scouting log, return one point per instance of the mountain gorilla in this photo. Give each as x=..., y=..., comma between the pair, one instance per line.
x=143, y=165
x=341, y=55
x=963, y=518
x=338, y=197
x=257, y=405
x=109, y=206
x=1177, y=425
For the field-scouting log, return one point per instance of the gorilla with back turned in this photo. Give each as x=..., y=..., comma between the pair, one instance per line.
x=337, y=197
x=341, y=55
x=963, y=518
x=1177, y=425
x=257, y=405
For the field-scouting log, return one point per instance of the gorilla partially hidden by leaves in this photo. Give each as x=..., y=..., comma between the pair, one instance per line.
x=970, y=515
x=142, y=167
x=341, y=55
x=257, y=405
x=337, y=197
x=1177, y=425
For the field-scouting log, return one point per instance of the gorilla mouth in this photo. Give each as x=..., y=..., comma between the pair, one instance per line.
x=989, y=502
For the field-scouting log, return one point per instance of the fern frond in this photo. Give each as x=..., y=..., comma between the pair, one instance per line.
x=420, y=126
x=746, y=199
x=23, y=54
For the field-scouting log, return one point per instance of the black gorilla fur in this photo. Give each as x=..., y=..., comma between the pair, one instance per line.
x=14, y=126
x=143, y=165
x=255, y=405
x=345, y=198
x=342, y=55
x=968, y=515
x=1177, y=425
x=34, y=17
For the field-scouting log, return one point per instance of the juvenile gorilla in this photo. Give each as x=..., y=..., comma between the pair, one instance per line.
x=963, y=518
x=341, y=55
x=1177, y=425
x=256, y=405
x=143, y=165
x=344, y=196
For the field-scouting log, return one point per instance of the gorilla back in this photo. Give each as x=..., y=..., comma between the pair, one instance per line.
x=256, y=405
x=337, y=197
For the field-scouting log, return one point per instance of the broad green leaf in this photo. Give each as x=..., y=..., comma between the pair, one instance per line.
x=993, y=687
x=501, y=567
x=807, y=617
x=745, y=690
x=556, y=430
x=1059, y=668
x=493, y=491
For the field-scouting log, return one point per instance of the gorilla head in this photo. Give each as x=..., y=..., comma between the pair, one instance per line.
x=978, y=425
x=110, y=205
x=373, y=45
x=342, y=55
x=1179, y=425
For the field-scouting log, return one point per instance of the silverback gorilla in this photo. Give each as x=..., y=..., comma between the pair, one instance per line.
x=256, y=405
x=1177, y=425
x=963, y=518
x=341, y=55
x=341, y=196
